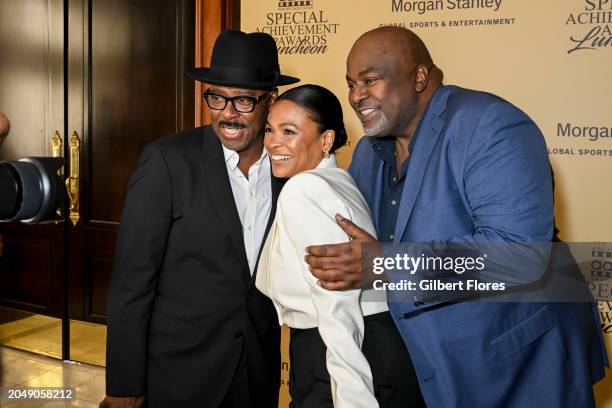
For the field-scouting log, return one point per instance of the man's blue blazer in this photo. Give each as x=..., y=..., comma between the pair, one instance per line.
x=479, y=172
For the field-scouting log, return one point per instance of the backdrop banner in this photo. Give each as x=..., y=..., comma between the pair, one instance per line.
x=551, y=58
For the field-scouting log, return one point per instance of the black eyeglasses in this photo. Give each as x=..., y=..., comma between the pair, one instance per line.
x=242, y=103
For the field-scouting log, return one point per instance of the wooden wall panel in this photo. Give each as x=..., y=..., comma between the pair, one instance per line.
x=100, y=272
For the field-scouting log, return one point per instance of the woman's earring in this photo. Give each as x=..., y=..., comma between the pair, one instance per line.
x=325, y=154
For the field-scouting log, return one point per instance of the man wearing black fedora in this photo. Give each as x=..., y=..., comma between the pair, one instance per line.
x=186, y=325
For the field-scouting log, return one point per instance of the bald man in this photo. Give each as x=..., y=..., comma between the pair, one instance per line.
x=444, y=164
x=5, y=127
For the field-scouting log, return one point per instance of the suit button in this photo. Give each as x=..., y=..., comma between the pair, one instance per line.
x=238, y=334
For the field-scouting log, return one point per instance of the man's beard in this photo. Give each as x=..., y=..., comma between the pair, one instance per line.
x=379, y=128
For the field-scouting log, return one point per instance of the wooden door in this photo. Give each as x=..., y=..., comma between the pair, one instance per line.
x=114, y=79
x=32, y=97
x=126, y=87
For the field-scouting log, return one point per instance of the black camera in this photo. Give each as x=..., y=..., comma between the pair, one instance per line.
x=31, y=189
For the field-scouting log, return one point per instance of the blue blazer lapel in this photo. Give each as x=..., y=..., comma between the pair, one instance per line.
x=423, y=146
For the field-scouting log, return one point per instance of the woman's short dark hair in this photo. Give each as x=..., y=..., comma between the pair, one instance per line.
x=323, y=108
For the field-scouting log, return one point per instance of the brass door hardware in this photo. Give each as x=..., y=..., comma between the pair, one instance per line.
x=72, y=182
x=56, y=144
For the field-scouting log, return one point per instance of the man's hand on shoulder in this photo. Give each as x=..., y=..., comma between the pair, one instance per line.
x=339, y=266
x=122, y=402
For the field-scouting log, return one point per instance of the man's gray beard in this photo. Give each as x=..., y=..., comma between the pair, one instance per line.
x=378, y=128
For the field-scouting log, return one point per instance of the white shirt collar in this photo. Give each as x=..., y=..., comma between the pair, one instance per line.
x=232, y=158
x=327, y=163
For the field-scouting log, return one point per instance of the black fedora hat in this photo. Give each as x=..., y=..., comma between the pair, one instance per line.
x=243, y=61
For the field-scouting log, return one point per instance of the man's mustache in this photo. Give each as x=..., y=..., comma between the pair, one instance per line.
x=232, y=125
x=362, y=103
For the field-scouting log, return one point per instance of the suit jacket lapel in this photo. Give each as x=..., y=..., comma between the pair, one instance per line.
x=218, y=183
x=423, y=146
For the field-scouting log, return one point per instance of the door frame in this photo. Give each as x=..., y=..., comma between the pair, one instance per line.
x=212, y=17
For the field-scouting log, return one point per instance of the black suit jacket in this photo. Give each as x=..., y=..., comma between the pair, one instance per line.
x=182, y=305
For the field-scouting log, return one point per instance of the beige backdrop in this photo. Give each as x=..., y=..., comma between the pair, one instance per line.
x=552, y=58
